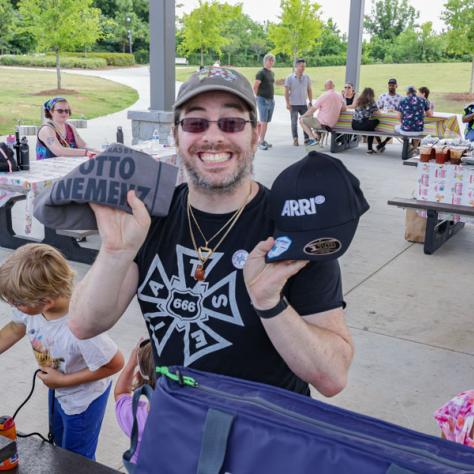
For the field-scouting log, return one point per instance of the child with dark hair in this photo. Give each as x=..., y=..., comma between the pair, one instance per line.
x=424, y=92
x=362, y=119
x=139, y=370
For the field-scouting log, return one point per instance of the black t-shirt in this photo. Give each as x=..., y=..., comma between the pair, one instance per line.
x=211, y=325
x=265, y=88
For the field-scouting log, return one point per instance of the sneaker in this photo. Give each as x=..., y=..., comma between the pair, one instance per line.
x=295, y=142
x=380, y=148
x=262, y=146
x=269, y=145
x=312, y=142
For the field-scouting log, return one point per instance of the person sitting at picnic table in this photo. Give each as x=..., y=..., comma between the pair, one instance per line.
x=56, y=137
x=349, y=94
x=328, y=106
x=469, y=119
x=388, y=102
x=411, y=111
x=425, y=93
x=362, y=119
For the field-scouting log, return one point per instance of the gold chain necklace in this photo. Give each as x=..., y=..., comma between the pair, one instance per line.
x=204, y=252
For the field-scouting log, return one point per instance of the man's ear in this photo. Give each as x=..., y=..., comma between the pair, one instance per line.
x=174, y=131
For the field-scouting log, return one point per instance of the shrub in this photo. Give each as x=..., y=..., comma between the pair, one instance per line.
x=113, y=59
x=50, y=61
x=142, y=56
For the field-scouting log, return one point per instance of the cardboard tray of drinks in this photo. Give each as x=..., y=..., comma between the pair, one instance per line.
x=454, y=152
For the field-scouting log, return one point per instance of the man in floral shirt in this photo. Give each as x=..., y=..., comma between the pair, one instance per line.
x=388, y=102
x=469, y=119
x=412, y=110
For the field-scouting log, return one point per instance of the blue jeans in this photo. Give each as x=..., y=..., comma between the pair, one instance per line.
x=470, y=135
x=78, y=433
x=265, y=108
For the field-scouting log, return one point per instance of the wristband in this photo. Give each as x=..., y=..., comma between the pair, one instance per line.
x=275, y=311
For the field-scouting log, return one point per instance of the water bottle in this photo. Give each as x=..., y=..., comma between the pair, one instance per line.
x=155, y=140
x=24, y=154
x=16, y=146
x=119, y=135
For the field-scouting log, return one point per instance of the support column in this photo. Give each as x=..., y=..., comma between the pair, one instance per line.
x=162, y=74
x=354, y=46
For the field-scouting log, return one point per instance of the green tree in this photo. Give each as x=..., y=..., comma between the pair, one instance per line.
x=299, y=28
x=459, y=16
x=9, y=23
x=60, y=25
x=331, y=41
x=205, y=27
x=388, y=18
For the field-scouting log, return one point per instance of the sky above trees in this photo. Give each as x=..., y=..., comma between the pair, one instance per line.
x=261, y=10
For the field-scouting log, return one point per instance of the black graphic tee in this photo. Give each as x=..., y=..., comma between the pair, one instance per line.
x=267, y=80
x=211, y=325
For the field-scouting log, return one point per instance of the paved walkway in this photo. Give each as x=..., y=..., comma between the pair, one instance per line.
x=410, y=314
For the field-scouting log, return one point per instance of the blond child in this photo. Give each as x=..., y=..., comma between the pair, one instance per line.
x=37, y=282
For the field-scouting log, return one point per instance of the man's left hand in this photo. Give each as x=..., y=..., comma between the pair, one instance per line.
x=265, y=281
x=52, y=378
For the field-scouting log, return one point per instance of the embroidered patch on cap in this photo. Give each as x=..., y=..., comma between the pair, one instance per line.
x=281, y=245
x=239, y=258
x=323, y=246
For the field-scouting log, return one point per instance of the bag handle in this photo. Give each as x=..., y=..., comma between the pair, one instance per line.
x=147, y=391
x=214, y=441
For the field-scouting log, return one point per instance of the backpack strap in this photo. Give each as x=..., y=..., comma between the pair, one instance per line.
x=147, y=391
x=214, y=441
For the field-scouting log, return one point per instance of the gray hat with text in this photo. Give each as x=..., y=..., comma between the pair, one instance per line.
x=216, y=79
x=106, y=179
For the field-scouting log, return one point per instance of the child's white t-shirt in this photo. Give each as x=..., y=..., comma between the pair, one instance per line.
x=55, y=346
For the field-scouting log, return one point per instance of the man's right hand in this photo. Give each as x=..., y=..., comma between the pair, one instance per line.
x=288, y=106
x=120, y=231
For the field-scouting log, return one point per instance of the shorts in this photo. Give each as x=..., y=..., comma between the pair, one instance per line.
x=312, y=122
x=470, y=135
x=265, y=109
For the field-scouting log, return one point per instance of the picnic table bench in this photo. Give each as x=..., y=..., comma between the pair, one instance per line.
x=344, y=137
x=445, y=194
x=438, y=230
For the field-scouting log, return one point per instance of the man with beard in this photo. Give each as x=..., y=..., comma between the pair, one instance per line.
x=202, y=307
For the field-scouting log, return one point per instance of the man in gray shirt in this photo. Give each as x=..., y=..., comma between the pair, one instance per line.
x=297, y=91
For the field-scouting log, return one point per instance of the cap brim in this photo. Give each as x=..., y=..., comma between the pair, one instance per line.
x=327, y=244
x=211, y=88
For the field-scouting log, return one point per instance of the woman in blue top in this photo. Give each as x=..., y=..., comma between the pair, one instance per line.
x=57, y=137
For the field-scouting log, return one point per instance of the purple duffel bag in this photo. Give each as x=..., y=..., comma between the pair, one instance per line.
x=212, y=424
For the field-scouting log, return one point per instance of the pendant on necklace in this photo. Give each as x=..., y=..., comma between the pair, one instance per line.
x=200, y=274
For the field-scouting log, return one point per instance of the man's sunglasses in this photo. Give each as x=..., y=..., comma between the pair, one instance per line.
x=226, y=124
x=62, y=111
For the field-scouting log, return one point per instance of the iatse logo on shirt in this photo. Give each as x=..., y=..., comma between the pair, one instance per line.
x=323, y=246
x=302, y=207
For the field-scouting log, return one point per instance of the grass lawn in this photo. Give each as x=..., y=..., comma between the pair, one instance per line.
x=441, y=78
x=23, y=92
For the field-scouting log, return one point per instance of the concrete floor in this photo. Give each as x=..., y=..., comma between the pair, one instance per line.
x=410, y=314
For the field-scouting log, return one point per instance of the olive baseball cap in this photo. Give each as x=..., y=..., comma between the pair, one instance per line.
x=216, y=79
x=106, y=179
